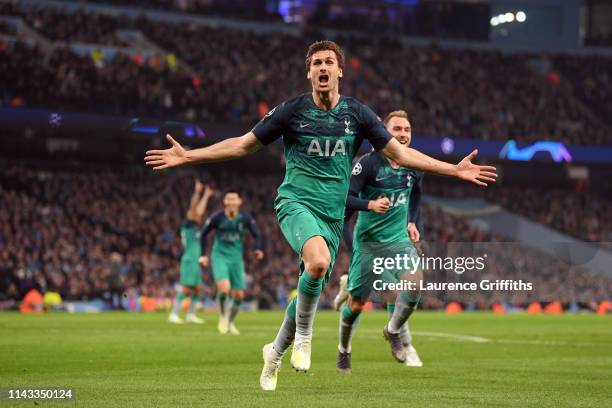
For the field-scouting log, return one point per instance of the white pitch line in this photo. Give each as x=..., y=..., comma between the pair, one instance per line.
x=460, y=337
x=371, y=334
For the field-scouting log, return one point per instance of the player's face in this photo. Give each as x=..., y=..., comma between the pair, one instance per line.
x=232, y=201
x=400, y=129
x=324, y=72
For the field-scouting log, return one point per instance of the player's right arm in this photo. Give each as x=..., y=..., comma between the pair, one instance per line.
x=228, y=149
x=268, y=129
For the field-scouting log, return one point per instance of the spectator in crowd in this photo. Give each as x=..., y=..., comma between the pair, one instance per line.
x=463, y=93
x=87, y=235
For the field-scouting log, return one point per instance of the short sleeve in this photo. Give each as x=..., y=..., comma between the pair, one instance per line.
x=271, y=126
x=373, y=128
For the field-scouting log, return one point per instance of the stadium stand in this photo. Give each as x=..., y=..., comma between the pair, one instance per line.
x=525, y=97
x=91, y=234
x=579, y=212
x=62, y=228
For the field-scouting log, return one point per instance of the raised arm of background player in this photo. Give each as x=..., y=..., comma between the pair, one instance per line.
x=199, y=209
x=193, y=202
x=277, y=122
x=213, y=222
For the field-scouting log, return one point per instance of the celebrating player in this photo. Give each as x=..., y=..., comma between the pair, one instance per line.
x=191, y=276
x=227, y=262
x=321, y=132
x=385, y=195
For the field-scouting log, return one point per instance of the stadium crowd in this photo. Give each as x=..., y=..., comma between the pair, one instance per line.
x=592, y=81
x=78, y=83
x=91, y=233
x=236, y=75
x=581, y=213
x=237, y=9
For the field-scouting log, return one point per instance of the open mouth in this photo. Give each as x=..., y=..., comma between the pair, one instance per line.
x=323, y=79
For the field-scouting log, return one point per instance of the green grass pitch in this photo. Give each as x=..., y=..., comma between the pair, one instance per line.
x=478, y=359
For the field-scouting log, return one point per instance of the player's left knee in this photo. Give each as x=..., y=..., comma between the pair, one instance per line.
x=238, y=295
x=355, y=305
x=318, y=266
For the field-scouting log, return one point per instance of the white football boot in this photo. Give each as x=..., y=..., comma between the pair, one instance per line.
x=223, y=325
x=174, y=318
x=300, y=355
x=269, y=373
x=412, y=357
x=233, y=329
x=192, y=318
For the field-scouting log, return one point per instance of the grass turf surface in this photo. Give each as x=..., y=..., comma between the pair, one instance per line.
x=478, y=359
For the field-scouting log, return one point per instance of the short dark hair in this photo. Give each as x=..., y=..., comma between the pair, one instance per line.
x=324, y=46
x=231, y=191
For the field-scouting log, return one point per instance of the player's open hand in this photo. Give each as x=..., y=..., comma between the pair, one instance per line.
x=468, y=171
x=379, y=206
x=204, y=261
x=258, y=254
x=164, y=159
x=208, y=191
x=413, y=232
x=198, y=186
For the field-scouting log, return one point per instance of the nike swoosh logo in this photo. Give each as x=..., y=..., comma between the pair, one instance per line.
x=381, y=178
x=303, y=125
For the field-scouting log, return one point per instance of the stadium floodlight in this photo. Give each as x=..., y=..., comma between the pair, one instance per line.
x=521, y=16
x=509, y=17
x=501, y=18
x=494, y=21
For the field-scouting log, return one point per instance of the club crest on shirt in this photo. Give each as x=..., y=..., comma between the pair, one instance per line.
x=347, y=123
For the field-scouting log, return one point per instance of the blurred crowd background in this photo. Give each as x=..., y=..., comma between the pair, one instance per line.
x=111, y=232
x=233, y=75
x=93, y=234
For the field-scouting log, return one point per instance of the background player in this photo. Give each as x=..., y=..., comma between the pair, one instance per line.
x=385, y=190
x=190, y=274
x=321, y=133
x=227, y=257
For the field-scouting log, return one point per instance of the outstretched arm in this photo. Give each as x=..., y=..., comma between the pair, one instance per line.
x=228, y=149
x=465, y=170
